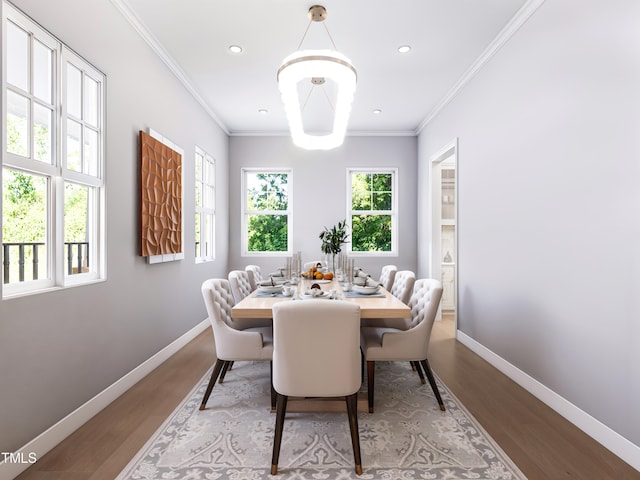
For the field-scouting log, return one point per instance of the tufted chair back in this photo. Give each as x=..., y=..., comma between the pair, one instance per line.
x=240, y=284
x=403, y=285
x=255, y=275
x=219, y=300
x=387, y=276
x=424, y=302
x=232, y=344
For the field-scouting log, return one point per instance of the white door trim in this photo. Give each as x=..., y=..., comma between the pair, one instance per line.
x=447, y=151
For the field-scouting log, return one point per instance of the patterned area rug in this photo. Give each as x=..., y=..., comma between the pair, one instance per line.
x=407, y=438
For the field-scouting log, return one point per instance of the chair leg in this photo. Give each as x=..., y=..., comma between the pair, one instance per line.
x=371, y=372
x=273, y=390
x=212, y=382
x=416, y=367
x=277, y=438
x=413, y=366
x=432, y=382
x=352, y=412
x=225, y=368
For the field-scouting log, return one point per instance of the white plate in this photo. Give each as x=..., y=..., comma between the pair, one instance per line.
x=305, y=296
x=320, y=282
x=366, y=290
x=270, y=289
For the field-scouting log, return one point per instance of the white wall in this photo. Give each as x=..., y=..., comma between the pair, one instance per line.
x=319, y=191
x=548, y=204
x=59, y=349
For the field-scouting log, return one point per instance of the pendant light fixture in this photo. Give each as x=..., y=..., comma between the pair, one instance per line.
x=317, y=67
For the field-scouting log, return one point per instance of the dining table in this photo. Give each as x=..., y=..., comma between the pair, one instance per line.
x=381, y=304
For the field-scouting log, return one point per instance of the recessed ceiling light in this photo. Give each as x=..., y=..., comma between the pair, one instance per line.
x=235, y=49
x=404, y=48
x=263, y=111
x=377, y=111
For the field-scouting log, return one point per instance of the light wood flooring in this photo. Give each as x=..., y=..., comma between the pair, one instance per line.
x=538, y=440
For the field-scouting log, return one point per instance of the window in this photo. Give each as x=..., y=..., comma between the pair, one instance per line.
x=372, y=211
x=52, y=182
x=266, y=220
x=205, y=206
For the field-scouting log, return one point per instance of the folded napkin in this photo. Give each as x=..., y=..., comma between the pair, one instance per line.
x=372, y=283
x=360, y=273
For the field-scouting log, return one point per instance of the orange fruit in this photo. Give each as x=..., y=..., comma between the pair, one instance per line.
x=319, y=275
x=328, y=276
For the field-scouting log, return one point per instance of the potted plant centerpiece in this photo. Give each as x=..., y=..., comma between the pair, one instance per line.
x=333, y=239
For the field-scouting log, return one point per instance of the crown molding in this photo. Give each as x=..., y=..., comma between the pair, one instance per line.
x=503, y=37
x=286, y=133
x=155, y=45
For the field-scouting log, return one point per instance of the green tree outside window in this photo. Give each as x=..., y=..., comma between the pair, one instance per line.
x=267, y=206
x=371, y=212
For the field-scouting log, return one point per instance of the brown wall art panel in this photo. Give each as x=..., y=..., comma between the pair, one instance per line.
x=160, y=198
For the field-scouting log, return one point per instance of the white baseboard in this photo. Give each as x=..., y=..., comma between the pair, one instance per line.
x=65, y=427
x=611, y=440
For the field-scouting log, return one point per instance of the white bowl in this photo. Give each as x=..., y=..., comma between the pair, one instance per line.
x=270, y=289
x=366, y=290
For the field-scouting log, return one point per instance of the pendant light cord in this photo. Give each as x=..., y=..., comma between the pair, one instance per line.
x=324, y=90
x=328, y=34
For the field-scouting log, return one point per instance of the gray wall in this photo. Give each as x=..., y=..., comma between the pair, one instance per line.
x=59, y=349
x=319, y=191
x=548, y=204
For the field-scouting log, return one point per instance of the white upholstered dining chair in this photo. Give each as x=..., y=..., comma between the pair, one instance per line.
x=316, y=353
x=231, y=344
x=240, y=289
x=401, y=288
x=240, y=284
x=255, y=275
x=387, y=276
x=412, y=345
x=403, y=285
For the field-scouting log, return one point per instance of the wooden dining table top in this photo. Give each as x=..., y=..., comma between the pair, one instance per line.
x=260, y=306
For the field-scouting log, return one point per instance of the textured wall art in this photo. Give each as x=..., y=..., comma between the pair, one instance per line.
x=160, y=198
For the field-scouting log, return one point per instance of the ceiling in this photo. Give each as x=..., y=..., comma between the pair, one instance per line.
x=447, y=37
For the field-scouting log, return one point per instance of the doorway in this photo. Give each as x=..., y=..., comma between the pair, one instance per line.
x=444, y=227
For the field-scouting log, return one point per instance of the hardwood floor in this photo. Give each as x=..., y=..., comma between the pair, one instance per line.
x=538, y=440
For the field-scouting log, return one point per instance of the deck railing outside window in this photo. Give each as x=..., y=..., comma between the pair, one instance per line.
x=25, y=257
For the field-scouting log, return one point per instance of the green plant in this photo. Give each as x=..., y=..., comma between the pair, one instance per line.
x=333, y=239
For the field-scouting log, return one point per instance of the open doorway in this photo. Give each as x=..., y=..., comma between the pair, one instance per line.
x=444, y=228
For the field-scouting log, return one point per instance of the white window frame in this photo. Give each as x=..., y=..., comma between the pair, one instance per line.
x=56, y=172
x=246, y=213
x=393, y=212
x=206, y=211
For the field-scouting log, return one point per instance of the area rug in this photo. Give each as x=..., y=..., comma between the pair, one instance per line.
x=407, y=438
